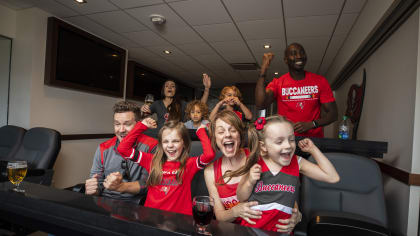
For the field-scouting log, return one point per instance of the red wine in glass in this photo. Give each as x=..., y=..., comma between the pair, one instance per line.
x=203, y=213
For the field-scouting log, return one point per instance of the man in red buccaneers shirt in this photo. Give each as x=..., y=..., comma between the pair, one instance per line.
x=302, y=97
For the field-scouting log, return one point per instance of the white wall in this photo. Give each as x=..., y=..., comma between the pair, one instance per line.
x=373, y=13
x=21, y=71
x=7, y=22
x=388, y=115
x=5, y=49
x=7, y=29
x=371, y=16
x=34, y=104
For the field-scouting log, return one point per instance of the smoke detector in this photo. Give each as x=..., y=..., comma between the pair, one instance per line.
x=157, y=19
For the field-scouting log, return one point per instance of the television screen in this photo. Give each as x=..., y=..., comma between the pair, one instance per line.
x=146, y=82
x=79, y=60
x=142, y=80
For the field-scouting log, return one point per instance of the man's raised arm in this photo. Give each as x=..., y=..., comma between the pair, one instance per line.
x=263, y=98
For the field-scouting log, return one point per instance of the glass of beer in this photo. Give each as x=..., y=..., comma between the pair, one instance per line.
x=16, y=171
x=202, y=213
x=149, y=99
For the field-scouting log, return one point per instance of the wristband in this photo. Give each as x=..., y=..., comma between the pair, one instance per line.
x=101, y=188
x=315, y=124
x=263, y=75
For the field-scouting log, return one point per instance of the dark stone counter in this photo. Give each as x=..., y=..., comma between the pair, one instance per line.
x=65, y=212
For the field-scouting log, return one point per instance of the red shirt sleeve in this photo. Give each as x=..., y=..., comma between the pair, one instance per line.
x=126, y=150
x=325, y=95
x=143, y=159
x=273, y=86
x=208, y=153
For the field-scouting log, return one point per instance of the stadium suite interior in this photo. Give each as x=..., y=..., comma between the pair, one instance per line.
x=214, y=36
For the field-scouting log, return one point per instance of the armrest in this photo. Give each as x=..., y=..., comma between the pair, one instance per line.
x=333, y=224
x=79, y=188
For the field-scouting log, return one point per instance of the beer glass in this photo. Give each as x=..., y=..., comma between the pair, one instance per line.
x=202, y=213
x=149, y=99
x=16, y=171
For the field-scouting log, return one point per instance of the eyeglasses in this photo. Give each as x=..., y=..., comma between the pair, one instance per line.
x=124, y=166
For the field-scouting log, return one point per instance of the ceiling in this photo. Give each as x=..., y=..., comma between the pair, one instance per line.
x=206, y=36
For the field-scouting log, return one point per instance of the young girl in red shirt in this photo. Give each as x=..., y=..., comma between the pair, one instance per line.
x=272, y=170
x=170, y=169
x=231, y=99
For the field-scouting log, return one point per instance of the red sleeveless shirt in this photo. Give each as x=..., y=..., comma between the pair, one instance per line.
x=227, y=192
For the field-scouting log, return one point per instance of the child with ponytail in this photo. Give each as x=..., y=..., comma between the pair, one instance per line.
x=272, y=170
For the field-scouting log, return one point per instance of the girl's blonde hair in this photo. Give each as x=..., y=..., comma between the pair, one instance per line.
x=226, y=88
x=155, y=175
x=203, y=108
x=254, y=136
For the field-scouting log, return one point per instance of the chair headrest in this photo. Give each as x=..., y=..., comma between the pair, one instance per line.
x=9, y=133
x=357, y=174
x=40, y=138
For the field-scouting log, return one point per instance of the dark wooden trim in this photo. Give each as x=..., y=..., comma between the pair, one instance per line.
x=359, y=147
x=395, y=19
x=54, y=26
x=85, y=136
x=398, y=174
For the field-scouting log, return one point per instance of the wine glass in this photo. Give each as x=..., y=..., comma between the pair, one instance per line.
x=16, y=171
x=202, y=213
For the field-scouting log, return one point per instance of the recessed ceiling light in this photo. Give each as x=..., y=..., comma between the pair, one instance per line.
x=167, y=52
x=114, y=55
x=80, y=1
x=157, y=19
x=276, y=73
x=267, y=46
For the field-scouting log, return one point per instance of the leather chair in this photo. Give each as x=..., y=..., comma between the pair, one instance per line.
x=11, y=138
x=353, y=206
x=40, y=148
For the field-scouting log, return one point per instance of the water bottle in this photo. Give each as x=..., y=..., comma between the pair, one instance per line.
x=343, y=130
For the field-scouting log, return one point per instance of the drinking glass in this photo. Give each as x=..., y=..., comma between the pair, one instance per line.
x=16, y=171
x=149, y=99
x=202, y=213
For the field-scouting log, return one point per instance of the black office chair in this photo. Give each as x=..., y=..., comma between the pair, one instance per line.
x=40, y=148
x=353, y=206
x=11, y=138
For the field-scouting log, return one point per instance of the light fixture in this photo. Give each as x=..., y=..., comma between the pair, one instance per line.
x=114, y=55
x=267, y=46
x=276, y=73
x=81, y=1
x=167, y=52
x=157, y=19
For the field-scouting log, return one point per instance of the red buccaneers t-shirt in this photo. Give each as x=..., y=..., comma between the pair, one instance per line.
x=300, y=100
x=169, y=194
